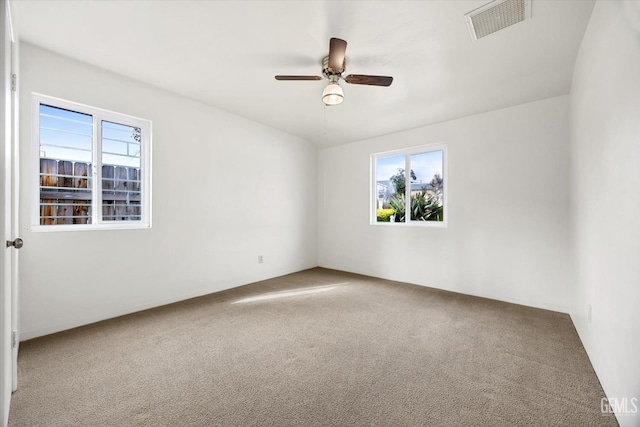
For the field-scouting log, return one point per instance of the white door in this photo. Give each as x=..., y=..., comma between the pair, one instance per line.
x=6, y=213
x=15, y=229
x=9, y=241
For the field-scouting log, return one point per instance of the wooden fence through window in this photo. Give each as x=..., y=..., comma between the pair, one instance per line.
x=65, y=192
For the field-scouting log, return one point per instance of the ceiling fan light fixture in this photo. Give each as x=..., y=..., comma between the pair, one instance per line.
x=332, y=94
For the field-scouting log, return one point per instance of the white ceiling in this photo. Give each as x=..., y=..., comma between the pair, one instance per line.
x=226, y=53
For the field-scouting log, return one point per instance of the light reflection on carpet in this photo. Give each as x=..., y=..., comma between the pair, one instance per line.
x=293, y=293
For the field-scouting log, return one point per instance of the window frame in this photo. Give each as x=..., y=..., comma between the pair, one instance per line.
x=98, y=115
x=408, y=152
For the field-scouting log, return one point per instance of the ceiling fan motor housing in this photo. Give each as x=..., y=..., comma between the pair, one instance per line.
x=328, y=71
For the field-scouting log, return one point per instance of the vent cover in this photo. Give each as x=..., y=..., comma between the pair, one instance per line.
x=497, y=15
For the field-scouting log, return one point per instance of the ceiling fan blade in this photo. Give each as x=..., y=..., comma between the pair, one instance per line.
x=337, y=48
x=298, y=78
x=362, y=79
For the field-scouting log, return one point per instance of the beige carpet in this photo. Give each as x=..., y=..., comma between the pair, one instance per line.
x=348, y=350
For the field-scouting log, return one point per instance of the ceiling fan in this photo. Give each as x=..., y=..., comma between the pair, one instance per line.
x=332, y=68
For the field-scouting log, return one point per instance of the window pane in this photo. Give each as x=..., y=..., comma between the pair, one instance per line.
x=121, y=174
x=390, y=188
x=65, y=166
x=65, y=134
x=427, y=186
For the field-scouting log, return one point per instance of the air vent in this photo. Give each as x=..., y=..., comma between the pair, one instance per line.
x=497, y=15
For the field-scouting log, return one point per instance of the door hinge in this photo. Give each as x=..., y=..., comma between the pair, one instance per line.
x=14, y=82
x=14, y=339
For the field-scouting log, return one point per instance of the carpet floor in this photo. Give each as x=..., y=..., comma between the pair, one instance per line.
x=315, y=348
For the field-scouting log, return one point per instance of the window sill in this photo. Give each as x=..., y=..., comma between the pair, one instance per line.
x=87, y=227
x=424, y=224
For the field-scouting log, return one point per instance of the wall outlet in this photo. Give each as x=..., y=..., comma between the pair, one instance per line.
x=260, y=260
x=589, y=313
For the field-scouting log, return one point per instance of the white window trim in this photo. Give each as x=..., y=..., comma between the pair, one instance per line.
x=98, y=114
x=408, y=152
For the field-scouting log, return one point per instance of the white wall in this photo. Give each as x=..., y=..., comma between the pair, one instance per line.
x=605, y=184
x=225, y=190
x=507, y=236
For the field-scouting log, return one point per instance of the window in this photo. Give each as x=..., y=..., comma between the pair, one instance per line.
x=91, y=167
x=424, y=169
